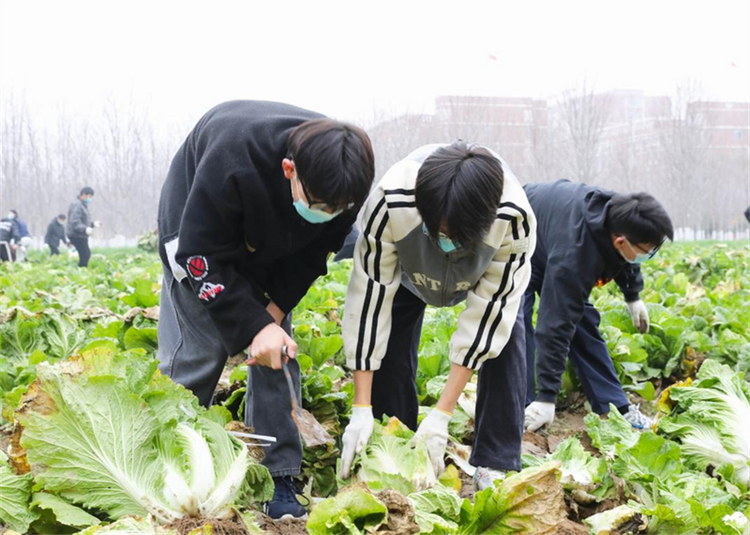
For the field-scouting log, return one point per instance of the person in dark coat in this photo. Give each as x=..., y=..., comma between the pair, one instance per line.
x=81, y=226
x=56, y=234
x=255, y=200
x=586, y=237
x=10, y=236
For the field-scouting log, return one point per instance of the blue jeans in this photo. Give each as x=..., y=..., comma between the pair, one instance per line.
x=191, y=353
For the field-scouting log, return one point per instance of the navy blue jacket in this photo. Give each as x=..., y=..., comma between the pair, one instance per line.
x=23, y=228
x=574, y=253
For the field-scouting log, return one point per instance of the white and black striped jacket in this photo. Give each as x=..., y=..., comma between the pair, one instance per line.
x=393, y=249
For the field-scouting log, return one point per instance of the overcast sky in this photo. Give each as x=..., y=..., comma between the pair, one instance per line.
x=352, y=60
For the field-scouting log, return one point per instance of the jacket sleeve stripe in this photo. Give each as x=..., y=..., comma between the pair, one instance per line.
x=374, y=328
x=504, y=300
x=513, y=223
x=526, y=227
x=402, y=204
x=470, y=360
x=379, y=247
x=499, y=317
x=368, y=229
x=363, y=323
x=400, y=191
x=373, y=277
x=381, y=290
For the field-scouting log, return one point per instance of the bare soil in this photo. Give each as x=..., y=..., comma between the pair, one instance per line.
x=467, y=485
x=282, y=527
x=220, y=527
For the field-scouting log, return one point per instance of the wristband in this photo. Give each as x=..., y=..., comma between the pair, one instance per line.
x=362, y=406
x=444, y=412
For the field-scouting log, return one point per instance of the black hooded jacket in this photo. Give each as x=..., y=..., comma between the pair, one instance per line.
x=229, y=204
x=9, y=231
x=574, y=253
x=55, y=233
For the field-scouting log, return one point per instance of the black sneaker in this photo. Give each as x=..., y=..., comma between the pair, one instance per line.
x=284, y=504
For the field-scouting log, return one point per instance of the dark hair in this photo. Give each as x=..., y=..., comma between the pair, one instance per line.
x=14, y=211
x=86, y=191
x=61, y=216
x=460, y=185
x=640, y=218
x=334, y=161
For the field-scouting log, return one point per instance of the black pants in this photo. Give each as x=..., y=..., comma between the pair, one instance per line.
x=84, y=253
x=6, y=254
x=501, y=389
x=53, y=249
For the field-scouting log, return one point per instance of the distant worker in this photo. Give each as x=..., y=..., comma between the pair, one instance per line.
x=25, y=238
x=586, y=237
x=80, y=225
x=56, y=234
x=9, y=237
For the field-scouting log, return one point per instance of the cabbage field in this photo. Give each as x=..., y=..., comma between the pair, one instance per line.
x=93, y=439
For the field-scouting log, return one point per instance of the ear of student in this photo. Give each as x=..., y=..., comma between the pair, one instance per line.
x=288, y=166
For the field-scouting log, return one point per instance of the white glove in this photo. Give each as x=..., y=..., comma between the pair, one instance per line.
x=539, y=413
x=356, y=435
x=639, y=313
x=97, y=224
x=434, y=431
x=89, y=231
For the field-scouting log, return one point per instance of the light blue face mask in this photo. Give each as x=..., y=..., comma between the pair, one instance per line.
x=444, y=242
x=87, y=201
x=313, y=215
x=640, y=258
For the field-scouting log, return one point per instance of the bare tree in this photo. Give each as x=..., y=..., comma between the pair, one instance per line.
x=580, y=117
x=624, y=160
x=395, y=135
x=43, y=169
x=544, y=166
x=684, y=147
x=14, y=129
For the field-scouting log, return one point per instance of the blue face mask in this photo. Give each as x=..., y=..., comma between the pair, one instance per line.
x=640, y=258
x=87, y=201
x=444, y=242
x=313, y=215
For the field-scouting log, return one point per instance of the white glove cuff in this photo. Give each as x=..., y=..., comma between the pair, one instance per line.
x=440, y=417
x=363, y=411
